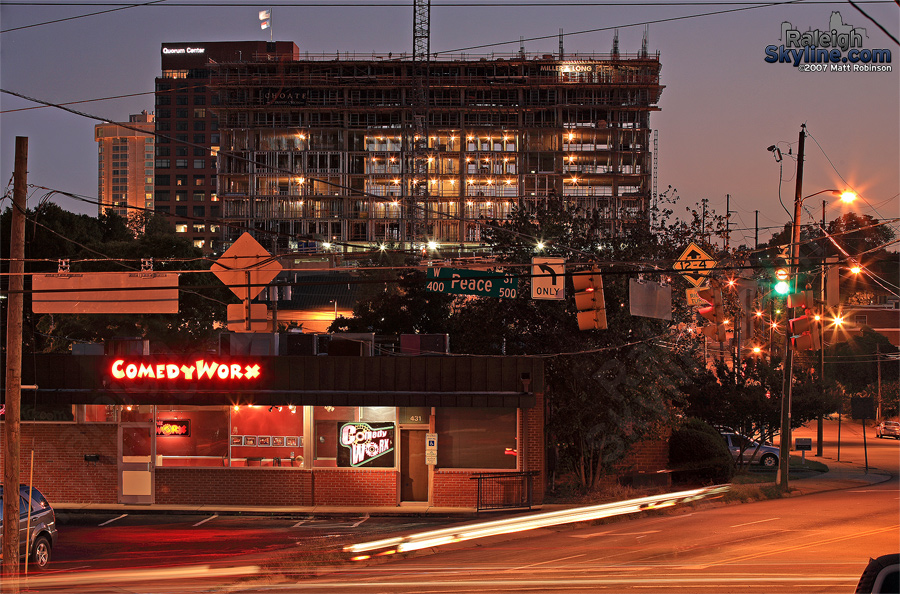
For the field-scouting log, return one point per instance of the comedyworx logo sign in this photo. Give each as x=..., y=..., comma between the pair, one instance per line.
x=836, y=49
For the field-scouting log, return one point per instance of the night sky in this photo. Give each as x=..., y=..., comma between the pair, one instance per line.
x=722, y=106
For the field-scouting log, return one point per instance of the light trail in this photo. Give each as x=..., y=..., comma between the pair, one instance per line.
x=435, y=538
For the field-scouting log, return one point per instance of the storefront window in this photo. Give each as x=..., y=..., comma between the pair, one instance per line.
x=482, y=438
x=97, y=413
x=266, y=436
x=191, y=437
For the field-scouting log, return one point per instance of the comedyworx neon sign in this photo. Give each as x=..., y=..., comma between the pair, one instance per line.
x=122, y=369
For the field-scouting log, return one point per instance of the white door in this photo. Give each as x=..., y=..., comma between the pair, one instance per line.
x=136, y=463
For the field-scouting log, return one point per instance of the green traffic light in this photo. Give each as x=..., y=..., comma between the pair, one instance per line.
x=782, y=287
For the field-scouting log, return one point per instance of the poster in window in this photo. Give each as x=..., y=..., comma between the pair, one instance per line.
x=249, y=440
x=237, y=440
x=264, y=440
x=292, y=442
x=369, y=445
x=278, y=441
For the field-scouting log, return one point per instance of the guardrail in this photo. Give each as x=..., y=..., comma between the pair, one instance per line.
x=505, y=490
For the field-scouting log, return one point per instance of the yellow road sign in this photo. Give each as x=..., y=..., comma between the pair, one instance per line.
x=694, y=264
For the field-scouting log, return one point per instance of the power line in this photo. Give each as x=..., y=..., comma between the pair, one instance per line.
x=126, y=7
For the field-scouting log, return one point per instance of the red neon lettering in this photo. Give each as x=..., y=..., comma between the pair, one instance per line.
x=204, y=369
x=188, y=372
x=172, y=371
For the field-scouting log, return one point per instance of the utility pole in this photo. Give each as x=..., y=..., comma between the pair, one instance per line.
x=785, y=446
x=820, y=423
x=878, y=363
x=727, y=220
x=12, y=435
x=756, y=232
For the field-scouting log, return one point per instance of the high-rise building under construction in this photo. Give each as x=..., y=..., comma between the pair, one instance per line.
x=368, y=150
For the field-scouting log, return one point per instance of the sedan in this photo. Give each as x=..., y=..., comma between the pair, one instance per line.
x=888, y=429
x=742, y=448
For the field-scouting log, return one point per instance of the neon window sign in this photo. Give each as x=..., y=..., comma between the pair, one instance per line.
x=122, y=369
x=176, y=428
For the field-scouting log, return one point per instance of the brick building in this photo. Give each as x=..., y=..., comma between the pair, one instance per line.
x=269, y=430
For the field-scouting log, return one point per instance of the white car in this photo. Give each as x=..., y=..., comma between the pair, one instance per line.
x=888, y=429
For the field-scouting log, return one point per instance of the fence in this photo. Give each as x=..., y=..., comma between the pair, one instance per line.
x=505, y=490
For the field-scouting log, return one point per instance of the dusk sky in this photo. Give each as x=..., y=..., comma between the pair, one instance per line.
x=722, y=106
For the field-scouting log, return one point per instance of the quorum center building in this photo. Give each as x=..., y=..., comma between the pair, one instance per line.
x=284, y=420
x=370, y=150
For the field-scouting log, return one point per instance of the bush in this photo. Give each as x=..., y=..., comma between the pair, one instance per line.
x=697, y=453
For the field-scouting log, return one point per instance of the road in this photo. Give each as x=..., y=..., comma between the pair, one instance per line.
x=814, y=543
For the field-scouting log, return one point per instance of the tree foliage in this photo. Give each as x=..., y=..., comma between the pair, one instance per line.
x=108, y=243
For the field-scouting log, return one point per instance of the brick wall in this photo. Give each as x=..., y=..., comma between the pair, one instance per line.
x=60, y=471
x=454, y=488
x=533, y=431
x=234, y=486
x=351, y=487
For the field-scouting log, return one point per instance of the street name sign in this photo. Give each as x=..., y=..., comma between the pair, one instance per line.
x=105, y=293
x=694, y=264
x=461, y=281
x=548, y=278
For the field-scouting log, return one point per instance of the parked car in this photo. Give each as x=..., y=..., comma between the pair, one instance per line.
x=39, y=543
x=888, y=429
x=881, y=575
x=737, y=443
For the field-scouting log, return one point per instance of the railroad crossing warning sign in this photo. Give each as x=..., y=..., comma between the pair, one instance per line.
x=694, y=264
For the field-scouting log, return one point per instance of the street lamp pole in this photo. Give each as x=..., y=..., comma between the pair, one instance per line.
x=784, y=452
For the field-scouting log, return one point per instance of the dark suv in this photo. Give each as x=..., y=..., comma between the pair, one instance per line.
x=42, y=527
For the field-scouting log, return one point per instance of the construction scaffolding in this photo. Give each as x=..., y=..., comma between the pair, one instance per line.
x=332, y=148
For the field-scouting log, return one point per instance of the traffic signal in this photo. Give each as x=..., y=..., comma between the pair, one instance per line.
x=803, y=299
x=714, y=312
x=783, y=280
x=589, y=300
x=805, y=333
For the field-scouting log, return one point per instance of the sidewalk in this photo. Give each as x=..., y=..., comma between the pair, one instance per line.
x=840, y=475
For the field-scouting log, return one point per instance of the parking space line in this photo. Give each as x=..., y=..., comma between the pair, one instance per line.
x=207, y=519
x=113, y=520
x=364, y=518
x=756, y=522
x=300, y=523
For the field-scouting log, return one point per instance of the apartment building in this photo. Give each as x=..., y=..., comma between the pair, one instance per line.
x=125, y=165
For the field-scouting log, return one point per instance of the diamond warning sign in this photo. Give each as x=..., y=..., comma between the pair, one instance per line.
x=694, y=264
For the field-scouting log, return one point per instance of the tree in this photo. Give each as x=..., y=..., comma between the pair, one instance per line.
x=107, y=243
